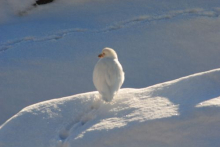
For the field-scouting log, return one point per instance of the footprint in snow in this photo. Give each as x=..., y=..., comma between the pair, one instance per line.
x=81, y=120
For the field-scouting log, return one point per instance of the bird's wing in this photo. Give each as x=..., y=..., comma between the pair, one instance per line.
x=111, y=74
x=114, y=75
x=99, y=76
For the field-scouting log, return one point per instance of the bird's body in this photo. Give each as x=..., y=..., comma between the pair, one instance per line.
x=108, y=75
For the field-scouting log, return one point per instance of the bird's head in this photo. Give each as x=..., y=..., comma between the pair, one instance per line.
x=108, y=53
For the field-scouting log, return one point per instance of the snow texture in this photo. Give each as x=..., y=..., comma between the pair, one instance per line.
x=49, y=51
x=183, y=112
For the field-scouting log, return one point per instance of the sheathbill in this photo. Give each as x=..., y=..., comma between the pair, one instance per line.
x=108, y=74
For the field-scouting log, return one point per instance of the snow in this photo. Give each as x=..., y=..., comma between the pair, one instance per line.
x=45, y=51
x=183, y=112
x=50, y=51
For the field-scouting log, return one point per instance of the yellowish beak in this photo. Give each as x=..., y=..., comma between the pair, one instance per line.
x=101, y=55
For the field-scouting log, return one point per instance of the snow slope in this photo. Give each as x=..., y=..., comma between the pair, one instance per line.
x=51, y=51
x=183, y=112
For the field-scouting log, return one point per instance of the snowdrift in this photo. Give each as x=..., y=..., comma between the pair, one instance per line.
x=183, y=112
x=45, y=49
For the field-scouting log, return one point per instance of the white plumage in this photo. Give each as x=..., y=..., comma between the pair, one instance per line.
x=108, y=75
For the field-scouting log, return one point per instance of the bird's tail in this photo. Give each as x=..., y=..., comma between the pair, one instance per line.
x=107, y=98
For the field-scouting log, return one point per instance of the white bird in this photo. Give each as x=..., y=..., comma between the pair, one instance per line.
x=108, y=75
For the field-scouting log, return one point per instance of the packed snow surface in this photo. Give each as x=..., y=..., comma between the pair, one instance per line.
x=50, y=51
x=183, y=112
x=45, y=51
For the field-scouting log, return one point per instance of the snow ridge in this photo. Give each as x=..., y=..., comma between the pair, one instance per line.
x=80, y=120
x=154, y=115
x=195, y=12
x=57, y=36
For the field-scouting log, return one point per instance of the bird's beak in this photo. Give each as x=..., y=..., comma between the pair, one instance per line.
x=101, y=55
